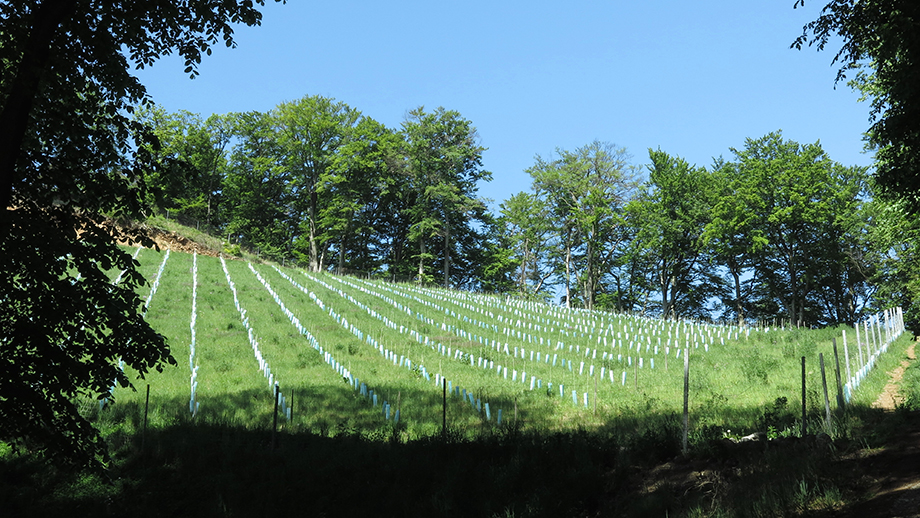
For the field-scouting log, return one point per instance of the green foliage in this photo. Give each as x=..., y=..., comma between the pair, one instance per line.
x=584, y=192
x=526, y=222
x=879, y=50
x=310, y=133
x=879, y=43
x=788, y=228
x=71, y=154
x=254, y=190
x=808, y=349
x=776, y=417
x=910, y=388
x=793, y=221
x=316, y=182
x=757, y=369
x=675, y=207
x=193, y=154
x=443, y=166
x=233, y=249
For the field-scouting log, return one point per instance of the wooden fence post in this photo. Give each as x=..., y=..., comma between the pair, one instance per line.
x=146, y=406
x=840, y=401
x=846, y=356
x=444, y=408
x=804, y=422
x=275, y=420
x=686, y=398
x=827, y=402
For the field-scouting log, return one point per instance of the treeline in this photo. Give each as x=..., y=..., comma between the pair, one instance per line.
x=317, y=182
x=777, y=232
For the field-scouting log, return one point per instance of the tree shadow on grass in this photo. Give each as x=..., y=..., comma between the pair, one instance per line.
x=224, y=463
x=202, y=468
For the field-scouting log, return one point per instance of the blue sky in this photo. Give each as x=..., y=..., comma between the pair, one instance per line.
x=692, y=78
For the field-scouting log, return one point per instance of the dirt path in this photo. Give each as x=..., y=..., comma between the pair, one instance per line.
x=889, y=398
x=892, y=473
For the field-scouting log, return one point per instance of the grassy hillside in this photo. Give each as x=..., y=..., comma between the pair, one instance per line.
x=321, y=337
x=590, y=407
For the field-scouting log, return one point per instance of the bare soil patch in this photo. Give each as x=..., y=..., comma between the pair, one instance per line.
x=892, y=473
x=177, y=243
x=889, y=398
x=168, y=240
x=892, y=476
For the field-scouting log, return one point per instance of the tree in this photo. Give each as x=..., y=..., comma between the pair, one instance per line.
x=894, y=239
x=587, y=191
x=354, y=184
x=257, y=208
x=528, y=228
x=847, y=266
x=495, y=260
x=553, y=183
x=631, y=275
x=310, y=132
x=880, y=36
x=70, y=154
x=795, y=200
x=194, y=157
x=733, y=235
x=675, y=207
x=444, y=164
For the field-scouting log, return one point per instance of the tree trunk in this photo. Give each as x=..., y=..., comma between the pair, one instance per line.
x=739, y=308
x=568, y=270
x=590, y=286
x=792, y=310
x=664, y=283
x=340, y=268
x=314, y=248
x=343, y=242
x=421, y=261
x=447, y=255
x=14, y=119
x=321, y=261
x=523, y=281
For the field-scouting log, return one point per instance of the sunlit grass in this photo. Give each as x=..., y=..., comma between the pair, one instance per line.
x=565, y=457
x=742, y=380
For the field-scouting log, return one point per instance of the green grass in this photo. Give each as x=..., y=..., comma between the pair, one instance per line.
x=549, y=457
x=739, y=381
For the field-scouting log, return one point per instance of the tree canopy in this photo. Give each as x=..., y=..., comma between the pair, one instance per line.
x=71, y=159
x=880, y=54
x=780, y=232
x=881, y=44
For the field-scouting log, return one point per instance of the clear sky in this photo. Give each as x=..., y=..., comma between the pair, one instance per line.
x=692, y=78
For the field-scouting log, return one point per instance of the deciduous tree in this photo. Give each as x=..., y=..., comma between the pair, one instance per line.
x=444, y=165
x=587, y=191
x=881, y=44
x=795, y=197
x=256, y=211
x=193, y=153
x=527, y=224
x=310, y=132
x=675, y=207
x=69, y=154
